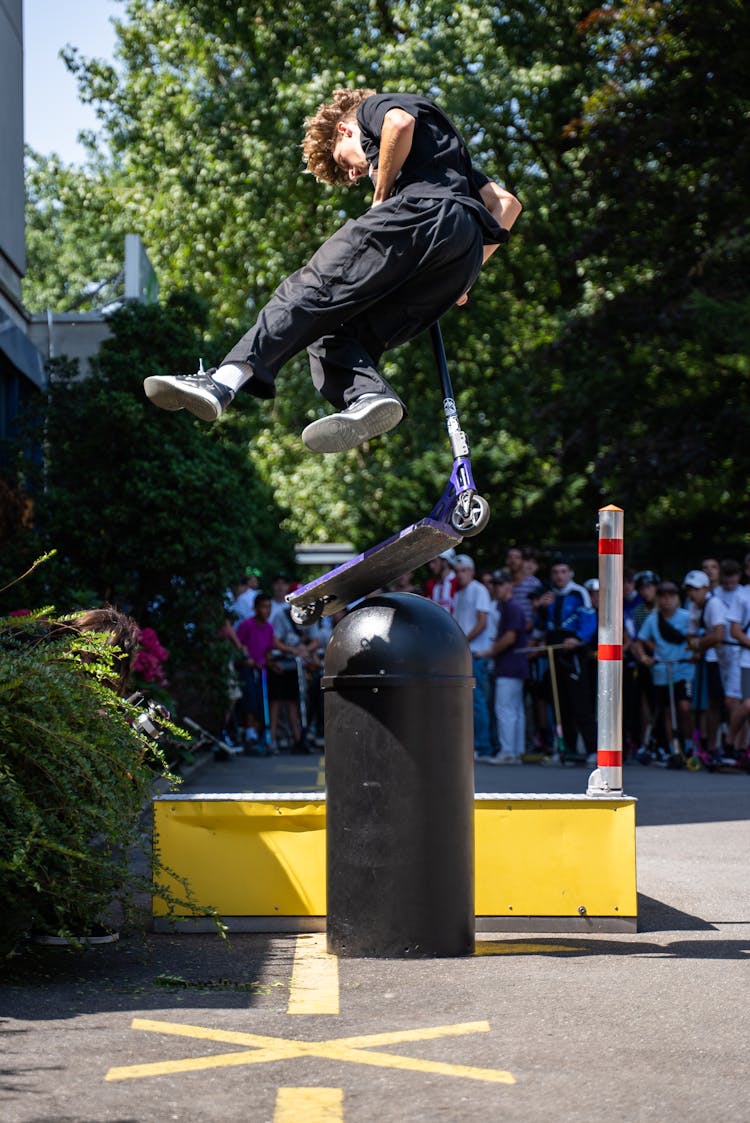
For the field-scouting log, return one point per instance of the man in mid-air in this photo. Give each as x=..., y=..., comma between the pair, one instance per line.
x=379, y=281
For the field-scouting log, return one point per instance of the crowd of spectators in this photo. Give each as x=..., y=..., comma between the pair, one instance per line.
x=532, y=635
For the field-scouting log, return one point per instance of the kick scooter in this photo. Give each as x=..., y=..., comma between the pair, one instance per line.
x=459, y=513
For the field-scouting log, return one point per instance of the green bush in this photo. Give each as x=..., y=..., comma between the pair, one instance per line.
x=75, y=776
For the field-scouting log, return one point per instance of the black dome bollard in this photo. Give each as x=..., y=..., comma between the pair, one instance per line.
x=400, y=782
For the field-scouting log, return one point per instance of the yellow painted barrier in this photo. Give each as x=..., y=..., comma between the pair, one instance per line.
x=246, y=855
x=567, y=860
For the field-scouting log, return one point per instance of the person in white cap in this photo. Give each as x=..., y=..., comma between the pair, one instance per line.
x=472, y=614
x=705, y=634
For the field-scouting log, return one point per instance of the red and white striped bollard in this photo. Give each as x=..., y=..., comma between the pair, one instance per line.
x=607, y=778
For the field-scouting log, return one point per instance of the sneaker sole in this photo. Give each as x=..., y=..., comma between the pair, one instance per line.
x=166, y=394
x=338, y=433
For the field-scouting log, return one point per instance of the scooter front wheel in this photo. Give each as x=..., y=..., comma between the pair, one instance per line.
x=694, y=763
x=303, y=615
x=470, y=515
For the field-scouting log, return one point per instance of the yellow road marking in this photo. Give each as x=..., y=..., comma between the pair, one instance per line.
x=315, y=977
x=320, y=779
x=262, y=1049
x=314, y=1105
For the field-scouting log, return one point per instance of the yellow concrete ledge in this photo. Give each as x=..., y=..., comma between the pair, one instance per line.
x=569, y=859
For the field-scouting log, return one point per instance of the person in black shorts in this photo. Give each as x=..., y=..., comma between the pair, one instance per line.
x=379, y=281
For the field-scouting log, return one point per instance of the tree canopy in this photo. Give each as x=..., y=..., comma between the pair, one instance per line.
x=604, y=355
x=155, y=512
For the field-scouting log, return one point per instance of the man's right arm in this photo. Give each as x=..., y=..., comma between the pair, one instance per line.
x=395, y=144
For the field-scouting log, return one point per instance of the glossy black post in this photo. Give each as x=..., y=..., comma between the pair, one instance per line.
x=400, y=782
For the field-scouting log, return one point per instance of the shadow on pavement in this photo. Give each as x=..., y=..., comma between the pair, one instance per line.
x=656, y=916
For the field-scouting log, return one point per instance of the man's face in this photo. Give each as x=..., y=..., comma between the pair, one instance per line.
x=710, y=567
x=647, y=592
x=730, y=581
x=513, y=560
x=668, y=602
x=262, y=609
x=348, y=152
x=697, y=596
x=560, y=575
x=464, y=574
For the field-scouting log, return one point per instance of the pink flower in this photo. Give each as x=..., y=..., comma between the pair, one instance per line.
x=151, y=657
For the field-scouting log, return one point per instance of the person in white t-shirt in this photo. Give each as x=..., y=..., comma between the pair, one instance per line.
x=739, y=630
x=705, y=634
x=244, y=605
x=729, y=653
x=471, y=611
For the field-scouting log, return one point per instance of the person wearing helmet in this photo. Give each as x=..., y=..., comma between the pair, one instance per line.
x=662, y=646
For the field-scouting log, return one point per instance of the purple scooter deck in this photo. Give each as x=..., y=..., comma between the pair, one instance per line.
x=379, y=565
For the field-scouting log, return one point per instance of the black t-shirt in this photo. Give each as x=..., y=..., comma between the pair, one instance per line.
x=438, y=163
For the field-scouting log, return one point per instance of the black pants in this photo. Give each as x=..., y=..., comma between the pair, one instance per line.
x=576, y=702
x=377, y=282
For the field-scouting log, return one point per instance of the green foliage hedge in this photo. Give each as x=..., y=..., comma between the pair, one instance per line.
x=75, y=776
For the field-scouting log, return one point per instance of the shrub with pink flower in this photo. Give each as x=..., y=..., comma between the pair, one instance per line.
x=149, y=662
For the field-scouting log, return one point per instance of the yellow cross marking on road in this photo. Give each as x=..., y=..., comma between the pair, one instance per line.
x=260, y=1049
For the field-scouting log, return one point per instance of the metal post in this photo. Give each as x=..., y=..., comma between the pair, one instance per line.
x=607, y=778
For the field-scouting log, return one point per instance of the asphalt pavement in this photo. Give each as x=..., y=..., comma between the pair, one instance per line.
x=270, y=1029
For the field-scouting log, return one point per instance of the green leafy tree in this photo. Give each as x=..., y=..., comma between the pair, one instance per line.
x=620, y=128
x=155, y=512
x=74, y=236
x=659, y=342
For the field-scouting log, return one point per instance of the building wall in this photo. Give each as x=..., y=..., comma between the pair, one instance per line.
x=12, y=230
x=76, y=335
x=22, y=372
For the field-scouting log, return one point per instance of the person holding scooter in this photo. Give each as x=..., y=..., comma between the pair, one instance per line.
x=661, y=644
x=379, y=281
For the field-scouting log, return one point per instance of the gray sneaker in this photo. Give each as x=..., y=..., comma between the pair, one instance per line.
x=198, y=393
x=369, y=416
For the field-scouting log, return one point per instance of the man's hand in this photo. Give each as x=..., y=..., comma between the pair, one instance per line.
x=462, y=300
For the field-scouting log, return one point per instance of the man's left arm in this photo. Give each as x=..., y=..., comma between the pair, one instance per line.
x=504, y=208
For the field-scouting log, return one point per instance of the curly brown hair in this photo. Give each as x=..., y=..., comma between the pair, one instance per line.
x=321, y=135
